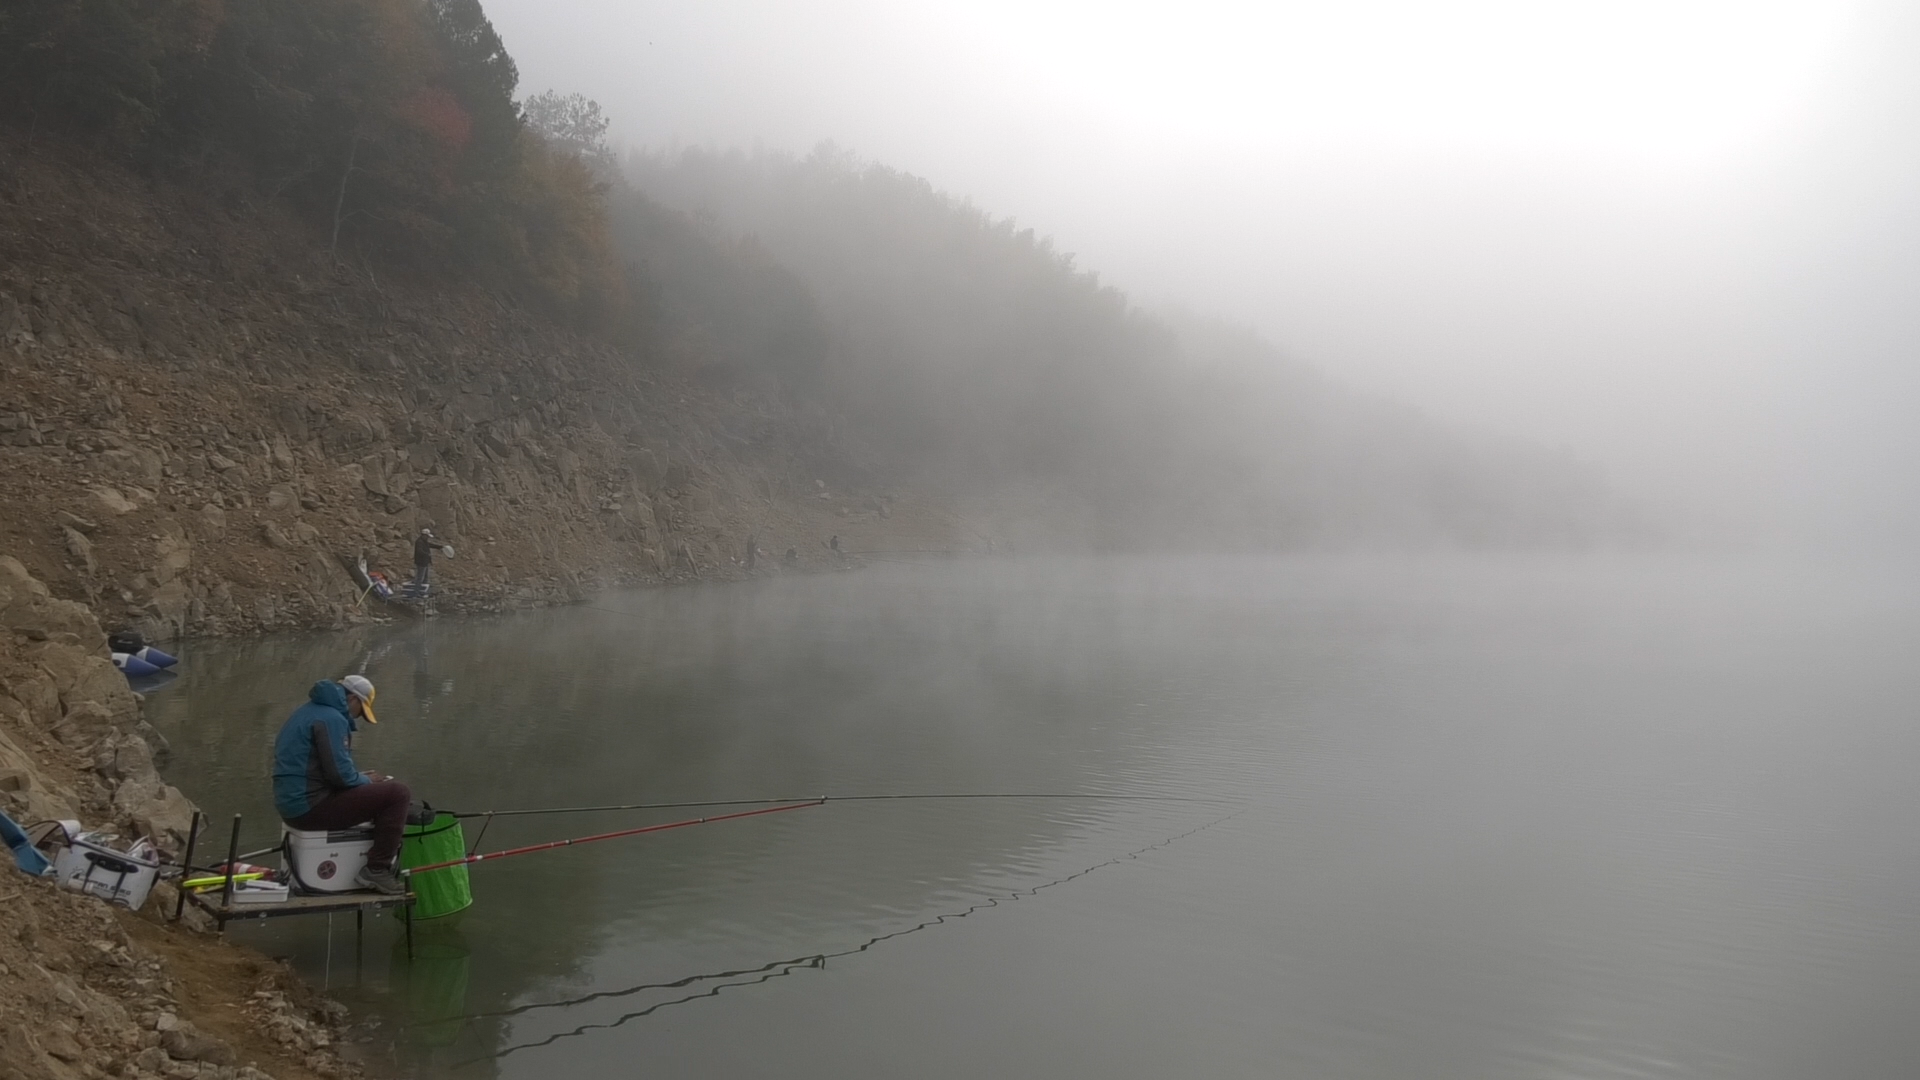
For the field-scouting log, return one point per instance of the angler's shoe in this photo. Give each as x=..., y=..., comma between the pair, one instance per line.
x=381, y=881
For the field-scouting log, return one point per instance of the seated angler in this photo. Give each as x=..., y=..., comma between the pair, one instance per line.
x=317, y=786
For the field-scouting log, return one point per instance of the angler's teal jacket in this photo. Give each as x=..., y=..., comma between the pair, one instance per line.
x=310, y=758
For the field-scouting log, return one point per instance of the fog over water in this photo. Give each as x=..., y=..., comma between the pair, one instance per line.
x=1483, y=817
x=1675, y=238
x=1613, y=812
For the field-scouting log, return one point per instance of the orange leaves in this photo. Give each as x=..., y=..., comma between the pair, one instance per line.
x=437, y=114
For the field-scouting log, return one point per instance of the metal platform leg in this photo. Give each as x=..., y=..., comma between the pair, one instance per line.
x=233, y=856
x=407, y=914
x=186, y=866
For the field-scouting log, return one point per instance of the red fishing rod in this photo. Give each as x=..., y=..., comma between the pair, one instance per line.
x=551, y=844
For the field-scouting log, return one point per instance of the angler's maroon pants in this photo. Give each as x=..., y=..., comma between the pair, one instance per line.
x=383, y=802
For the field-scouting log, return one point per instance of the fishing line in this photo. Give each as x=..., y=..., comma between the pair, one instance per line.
x=832, y=798
x=474, y=857
x=781, y=968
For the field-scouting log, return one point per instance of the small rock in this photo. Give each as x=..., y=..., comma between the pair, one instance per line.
x=74, y=521
x=185, y=1044
x=276, y=537
x=60, y=1044
x=110, y=499
x=81, y=549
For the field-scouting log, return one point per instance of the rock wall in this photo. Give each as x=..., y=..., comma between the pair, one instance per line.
x=87, y=990
x=202, y=414
x=72, y=741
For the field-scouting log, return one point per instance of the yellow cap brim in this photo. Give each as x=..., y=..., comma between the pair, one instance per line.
x=366, y=710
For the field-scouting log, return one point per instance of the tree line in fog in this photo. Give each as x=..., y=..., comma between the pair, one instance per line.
x=960, y=348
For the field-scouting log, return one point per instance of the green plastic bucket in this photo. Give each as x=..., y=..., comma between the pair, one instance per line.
x=437, y=892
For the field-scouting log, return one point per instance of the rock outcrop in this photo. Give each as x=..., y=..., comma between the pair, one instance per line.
x=201, y=415
x=87, y=990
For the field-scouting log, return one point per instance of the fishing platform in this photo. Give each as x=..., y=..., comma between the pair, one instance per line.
x=220, y=903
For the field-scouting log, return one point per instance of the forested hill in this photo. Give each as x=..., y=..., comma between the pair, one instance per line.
x=931, y=345
x=980, y=356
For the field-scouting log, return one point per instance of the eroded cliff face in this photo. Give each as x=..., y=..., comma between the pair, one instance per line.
x=89, y=990
x=72, y=742
x=202, y=412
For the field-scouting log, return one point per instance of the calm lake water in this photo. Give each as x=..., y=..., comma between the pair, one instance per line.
x=1476, y=819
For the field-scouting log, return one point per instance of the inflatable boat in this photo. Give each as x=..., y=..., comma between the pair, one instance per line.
x=134, y=666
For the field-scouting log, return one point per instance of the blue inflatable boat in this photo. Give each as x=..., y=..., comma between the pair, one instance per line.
x=132, y=666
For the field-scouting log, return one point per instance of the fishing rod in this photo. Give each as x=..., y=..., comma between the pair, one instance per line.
x=490, y=814
x=475, y=857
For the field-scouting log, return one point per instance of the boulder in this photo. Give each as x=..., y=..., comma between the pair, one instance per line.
x=74, y=521
x=81, y=549
x=86, y=725
x=185, y=1043
x=83, y=677
x=26, y=605
x=173, y=552
x=35, y=692
x=373, y=473
x=280, y=454
x=134, y=465
x=346, y=433
x=157, y=809
x=436, y=501
x=168, y=606
x=124, y=758
x=108, y=498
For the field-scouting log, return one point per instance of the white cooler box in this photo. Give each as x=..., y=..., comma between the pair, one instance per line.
x=89, y=865
x=328, y=861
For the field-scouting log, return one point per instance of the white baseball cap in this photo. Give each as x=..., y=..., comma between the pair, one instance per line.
x=360, y=687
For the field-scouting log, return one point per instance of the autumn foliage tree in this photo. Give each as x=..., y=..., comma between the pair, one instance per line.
x=392, y=122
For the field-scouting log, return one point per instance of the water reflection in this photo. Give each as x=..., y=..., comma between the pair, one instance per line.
x=1507, y=819
x=780, y=968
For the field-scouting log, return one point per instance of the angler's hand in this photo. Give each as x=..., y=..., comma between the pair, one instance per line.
x=377, y=777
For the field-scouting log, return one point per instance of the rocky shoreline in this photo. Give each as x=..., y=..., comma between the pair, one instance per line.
x=89, y=990
x=202, y=416
x=203, y=422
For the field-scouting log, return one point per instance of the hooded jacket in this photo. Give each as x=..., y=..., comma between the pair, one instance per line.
x=310, y=757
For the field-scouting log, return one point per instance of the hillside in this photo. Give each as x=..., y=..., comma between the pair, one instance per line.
x=283, y=283
x=984, y=360
x=200, y=413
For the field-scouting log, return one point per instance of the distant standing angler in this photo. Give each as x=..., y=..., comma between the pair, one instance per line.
x=423, y=546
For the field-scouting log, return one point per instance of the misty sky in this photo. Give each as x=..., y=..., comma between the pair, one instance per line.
x=1678, y=237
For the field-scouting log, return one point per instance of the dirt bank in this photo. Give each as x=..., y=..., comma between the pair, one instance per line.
x=91, y=990
x=201, y=413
